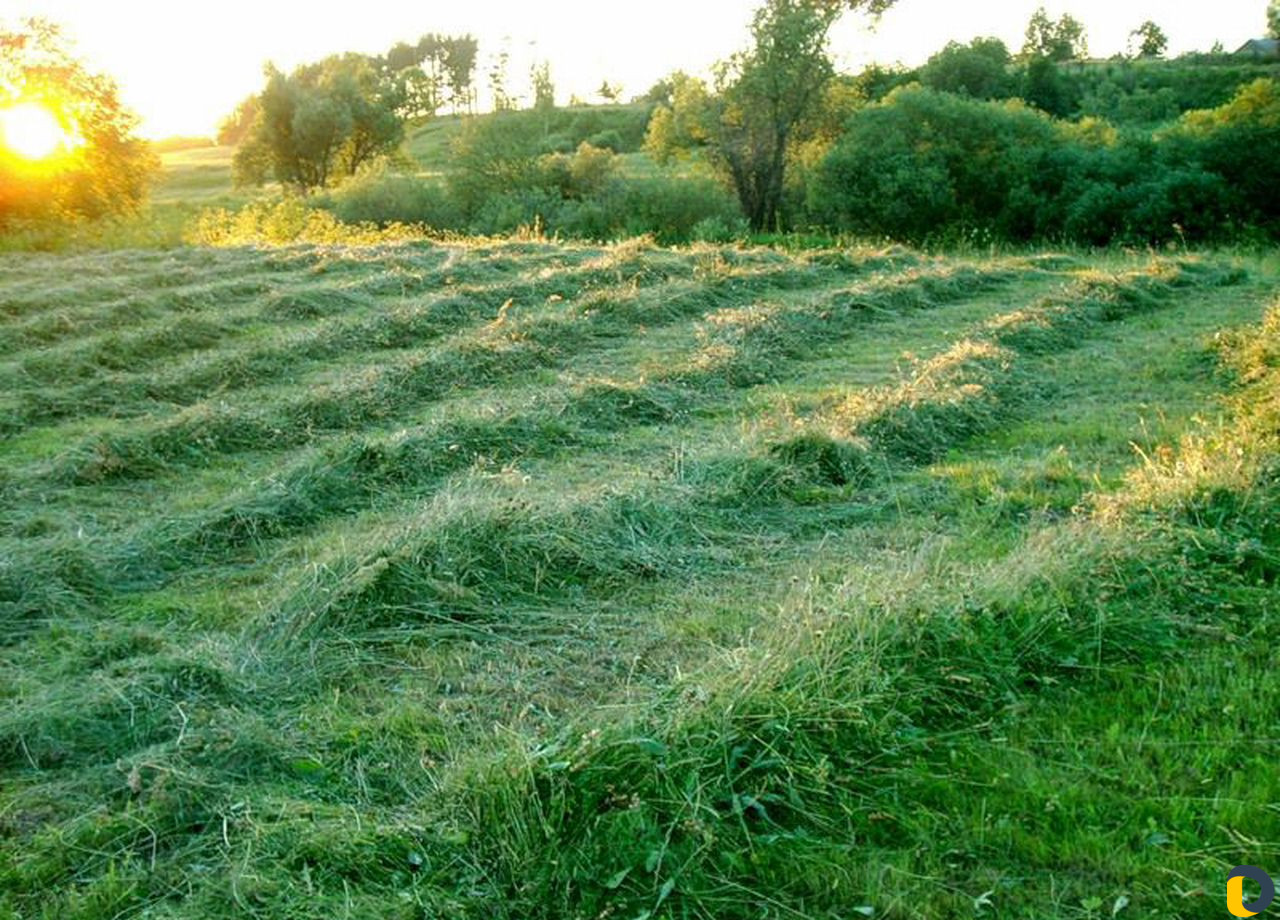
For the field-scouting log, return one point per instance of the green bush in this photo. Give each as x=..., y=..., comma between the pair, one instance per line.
x=379, y=196
x=923, y=160
x=608, y=140
x=930, y=165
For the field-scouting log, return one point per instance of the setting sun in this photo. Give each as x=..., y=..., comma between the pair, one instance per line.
x=33, y=132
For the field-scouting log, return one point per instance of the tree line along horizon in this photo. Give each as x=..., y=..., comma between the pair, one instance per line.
x=980, y=144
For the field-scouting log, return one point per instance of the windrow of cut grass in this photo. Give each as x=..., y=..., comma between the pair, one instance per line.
x=476, y=559
x=973, y=387
x=549, y=338
x=731, y=352
x=362, y=324
x=351, y=475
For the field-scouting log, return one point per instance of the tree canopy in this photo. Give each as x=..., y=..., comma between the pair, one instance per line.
x=1149, y=40
x=979, y=70
x=96, y=165
x=763, y=98
x=1059, y=40
x=322, y=122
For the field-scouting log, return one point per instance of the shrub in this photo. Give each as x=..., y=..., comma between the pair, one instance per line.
x=924, y=164
x=609, y=139
x=1239, y=142
x=379, y=196
x=922, y=160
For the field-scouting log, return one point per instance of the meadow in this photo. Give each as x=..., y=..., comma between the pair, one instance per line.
x=523, y=578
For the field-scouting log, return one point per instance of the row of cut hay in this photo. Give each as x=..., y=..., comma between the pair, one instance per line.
x=59, y=323
x=350, y=476
x=288, y=277
x=353, y=475
x=967, y=389
x=467, y=562
x=204, y=433
x=970, y=389
x=406, y=325
x=315, y=493
x=100, y=282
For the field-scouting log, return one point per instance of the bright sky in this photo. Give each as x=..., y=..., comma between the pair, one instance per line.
x=182, y=66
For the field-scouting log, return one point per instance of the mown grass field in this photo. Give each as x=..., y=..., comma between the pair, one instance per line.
x=522, y=579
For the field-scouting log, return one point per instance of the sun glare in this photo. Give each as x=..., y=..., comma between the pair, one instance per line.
x=33, y=132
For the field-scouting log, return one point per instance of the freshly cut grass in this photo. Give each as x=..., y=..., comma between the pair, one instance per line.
x=513, y=579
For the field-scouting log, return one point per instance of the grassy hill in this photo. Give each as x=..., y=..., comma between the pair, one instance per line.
x=519, y=579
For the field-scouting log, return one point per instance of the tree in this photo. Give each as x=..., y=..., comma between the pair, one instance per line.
x=322, y=121
x=101, y=167
x=610, y=92
x=687, y=123
x=766, y=94
x=498, y=66
x=460, y=65
x=979, y=69
x=1273, y=19
x=435, y=70
x=233, y=129
x=544, y=87
x=1148, y=41
x=1059, y=41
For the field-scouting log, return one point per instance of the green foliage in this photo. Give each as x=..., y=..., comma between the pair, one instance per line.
x=1240, y=143
x=923, y=160
x=495, y=155
x=438, y=69
x=378, y=195
x=1273, y=19
x=1148, y=41
x=764, y=98
x=979, y=69
x=108, y=171
x=321, y=122
x=926, y=164
x=544, y=87
x=1060, y=40
x=236, y=127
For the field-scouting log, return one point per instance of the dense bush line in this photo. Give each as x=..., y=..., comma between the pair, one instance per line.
x=923, y=163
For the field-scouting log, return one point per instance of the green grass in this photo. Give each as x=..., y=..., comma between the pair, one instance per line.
x=523, y=579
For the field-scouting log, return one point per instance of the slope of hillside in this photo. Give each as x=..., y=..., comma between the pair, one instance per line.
x=527, y=579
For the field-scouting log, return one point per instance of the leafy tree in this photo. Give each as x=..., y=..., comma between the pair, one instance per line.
x=544, y=87
x=1273, y=19
x=1044, y=86
x=435, y=70
x=460, y=65
x=503, y=101
x=1149, y=40
x=765, y=96
x=105, y=170
x=687, y=123
x=922, y=162
x=979, y=69
x=322, y=122
x=659, y=93
x=609, y=92
x=494, y=155
x=1059, y=40
x=1240, y=142
x=233, y=129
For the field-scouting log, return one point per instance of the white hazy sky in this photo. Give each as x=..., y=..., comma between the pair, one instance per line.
x=182, y=66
